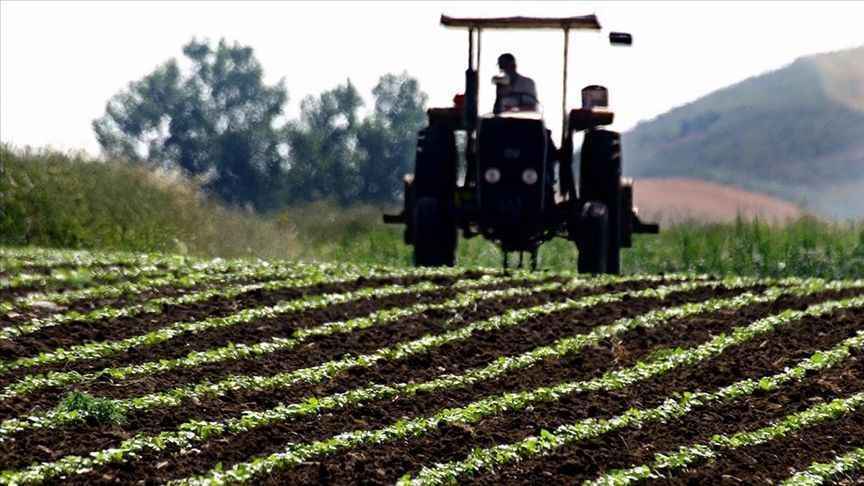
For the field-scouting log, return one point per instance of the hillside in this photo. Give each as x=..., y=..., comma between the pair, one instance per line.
x=795, y=133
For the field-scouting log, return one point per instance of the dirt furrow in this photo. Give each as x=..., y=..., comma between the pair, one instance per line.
x=454, y=443
x=771, y=462
x=272, y=363
x=373, y=414
x=320, y=349
x=18, y=291
x=23, y=315
x=120, y=328
x=632, y=447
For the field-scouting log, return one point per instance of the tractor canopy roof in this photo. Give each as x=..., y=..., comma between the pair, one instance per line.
x=582, y=22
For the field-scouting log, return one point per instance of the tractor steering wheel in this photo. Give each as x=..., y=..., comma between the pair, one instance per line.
x=525, y=101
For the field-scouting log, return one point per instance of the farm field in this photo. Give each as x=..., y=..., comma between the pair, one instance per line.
x=128, y=368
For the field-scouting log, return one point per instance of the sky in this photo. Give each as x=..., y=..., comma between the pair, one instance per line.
x=60, y=62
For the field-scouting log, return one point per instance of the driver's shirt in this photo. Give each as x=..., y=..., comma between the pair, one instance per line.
x=520, y=92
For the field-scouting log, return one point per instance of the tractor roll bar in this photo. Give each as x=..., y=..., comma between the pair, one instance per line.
x=472, y=85
x=581, y=22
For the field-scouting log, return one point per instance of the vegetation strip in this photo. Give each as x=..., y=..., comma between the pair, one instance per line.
x=178, y=396
x=103, y=349
x=297, y=453
x=198, y=274
x=821, y=473
x=78, y=277
x=35, y=382
x=254, y=269
x=155, y=305
x=112, y=273
x=31, y=383
x=196, y=431
x=287, y=279
x=489, y=458
x=85, y=257
x=685, y=456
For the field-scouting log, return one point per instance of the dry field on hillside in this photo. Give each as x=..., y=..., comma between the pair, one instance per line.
x=677, y=199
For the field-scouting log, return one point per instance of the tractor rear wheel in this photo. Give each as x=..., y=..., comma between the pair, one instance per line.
x=433, y=228
x=434, y=234
x=592, y=239
x=600, y=180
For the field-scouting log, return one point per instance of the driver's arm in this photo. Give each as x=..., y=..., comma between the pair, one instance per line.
x=531, y=90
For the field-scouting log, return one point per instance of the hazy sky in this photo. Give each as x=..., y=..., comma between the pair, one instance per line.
x=61, y=61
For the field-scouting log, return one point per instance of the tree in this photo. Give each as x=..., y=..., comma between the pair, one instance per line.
x=322, y=162
x=216, y=122
x=386, y=140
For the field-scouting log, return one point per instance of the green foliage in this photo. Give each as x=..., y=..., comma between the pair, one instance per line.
x=100, y=410
x=807, y=247
x=215, y=122
x=386, y=141
x=336, y=155
x=218, y=123
x=321, y=162
x=70, y=201
x=117, y=206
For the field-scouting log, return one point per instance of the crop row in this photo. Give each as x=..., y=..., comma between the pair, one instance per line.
x=33, y=382
x=284, y=276
x=547, y=442
x=217, y=272
x=321, y=372
x=196, y=431
x=295, y=454
x=46, y=259
x=688, y=455
x=84, y=277
x=153, y=266
x=80, y=276
x=821, y=473
x=35, y=252
x=93, y=350
x=177, y=396
x=86, y=269
x=316, y=405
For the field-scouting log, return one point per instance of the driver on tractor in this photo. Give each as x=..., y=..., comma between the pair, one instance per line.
x=513, y=91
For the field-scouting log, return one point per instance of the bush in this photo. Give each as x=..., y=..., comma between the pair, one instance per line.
x=54, y=199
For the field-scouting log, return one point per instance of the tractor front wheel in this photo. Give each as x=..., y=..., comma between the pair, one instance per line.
x=592, y=240
x=435, y=234
x=600, y=180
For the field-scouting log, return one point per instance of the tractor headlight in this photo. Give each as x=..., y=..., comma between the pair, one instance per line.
x=492, y=175
x=529, y=176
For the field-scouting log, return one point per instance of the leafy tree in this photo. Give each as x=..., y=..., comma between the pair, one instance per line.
x=322, y=161
x=386, y=140
x=217, y=122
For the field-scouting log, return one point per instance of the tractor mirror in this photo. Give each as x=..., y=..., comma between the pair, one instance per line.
x=620, y=39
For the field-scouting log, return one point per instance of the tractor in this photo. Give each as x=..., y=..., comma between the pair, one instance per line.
x=500, y=176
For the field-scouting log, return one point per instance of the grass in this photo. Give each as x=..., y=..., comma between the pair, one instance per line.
x=70, y=201
x=53, y=199
x=100, y=410
x=806, y=247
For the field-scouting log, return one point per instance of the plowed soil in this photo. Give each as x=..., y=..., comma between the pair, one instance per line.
x=388, y=461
